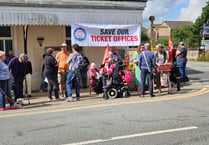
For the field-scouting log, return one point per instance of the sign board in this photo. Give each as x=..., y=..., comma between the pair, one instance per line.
x=167, y=67
x=101, y=35
x=205, y=26
x=202, y=47
x=206, y=44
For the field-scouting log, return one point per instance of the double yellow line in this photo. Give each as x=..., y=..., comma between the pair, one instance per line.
x=184, y=96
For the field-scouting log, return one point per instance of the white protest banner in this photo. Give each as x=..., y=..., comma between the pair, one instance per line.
x=101, y=35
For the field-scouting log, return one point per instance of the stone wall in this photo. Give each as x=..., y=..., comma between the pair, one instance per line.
x=192, y=53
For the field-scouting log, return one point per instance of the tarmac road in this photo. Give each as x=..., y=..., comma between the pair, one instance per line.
x=170, y=120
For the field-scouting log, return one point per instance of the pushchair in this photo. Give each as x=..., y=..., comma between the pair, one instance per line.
x=170, y=75
x=118, y=81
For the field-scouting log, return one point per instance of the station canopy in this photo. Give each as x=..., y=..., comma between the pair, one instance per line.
x=62, y=12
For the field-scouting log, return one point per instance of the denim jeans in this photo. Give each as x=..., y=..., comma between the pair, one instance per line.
x=182, y=69
x=4, y=84
x=84, y=78
x=144, y=75
x=73, y=75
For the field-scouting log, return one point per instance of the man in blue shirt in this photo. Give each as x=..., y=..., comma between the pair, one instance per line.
x=74, y=61
x=146, y=64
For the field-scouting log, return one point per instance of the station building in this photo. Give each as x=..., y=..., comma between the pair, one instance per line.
x=32, y=26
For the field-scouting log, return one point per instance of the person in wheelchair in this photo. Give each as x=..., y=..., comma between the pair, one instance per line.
x=95, y=79
x=118, y=86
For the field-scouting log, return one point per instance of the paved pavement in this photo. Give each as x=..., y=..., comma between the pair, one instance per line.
x=178, y=119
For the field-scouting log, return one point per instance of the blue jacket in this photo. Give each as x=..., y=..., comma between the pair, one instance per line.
x=150, y=60
x=4, y=71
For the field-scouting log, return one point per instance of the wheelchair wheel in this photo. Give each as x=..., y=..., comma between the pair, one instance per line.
x=112, y=93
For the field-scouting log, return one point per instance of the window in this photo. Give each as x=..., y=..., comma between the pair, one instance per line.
x=5, y=31
x=6, y=39
x=68, y=37
x=68, y=31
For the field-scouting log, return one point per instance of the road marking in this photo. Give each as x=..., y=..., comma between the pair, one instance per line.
x=200, y=92
x=134, y=135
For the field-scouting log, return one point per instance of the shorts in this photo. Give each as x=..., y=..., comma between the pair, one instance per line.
x=62, y=77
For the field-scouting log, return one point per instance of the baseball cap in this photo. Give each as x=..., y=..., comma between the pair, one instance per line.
x=64, y=45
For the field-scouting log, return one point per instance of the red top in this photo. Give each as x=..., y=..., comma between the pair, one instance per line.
x=93, y=76
x=107, y=62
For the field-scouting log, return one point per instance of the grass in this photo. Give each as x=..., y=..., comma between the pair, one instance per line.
x=204, y=56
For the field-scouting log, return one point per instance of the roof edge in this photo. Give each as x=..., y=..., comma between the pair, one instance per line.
x=77, y=4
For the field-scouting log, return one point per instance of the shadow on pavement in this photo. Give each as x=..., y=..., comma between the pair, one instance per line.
x=40, y=99
x=191, y=71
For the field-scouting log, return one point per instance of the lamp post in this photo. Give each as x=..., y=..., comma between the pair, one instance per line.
x=152, y=42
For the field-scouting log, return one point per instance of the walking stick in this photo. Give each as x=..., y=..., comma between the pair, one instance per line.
x=6, y=95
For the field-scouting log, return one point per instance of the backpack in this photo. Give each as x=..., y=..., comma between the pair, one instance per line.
x=78, y=64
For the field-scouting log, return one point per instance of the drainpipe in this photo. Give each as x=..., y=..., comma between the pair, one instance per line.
x=25, y=35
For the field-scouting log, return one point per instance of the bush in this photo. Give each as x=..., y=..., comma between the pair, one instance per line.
x=163, y=42
x=204, y=57
x=207, y=56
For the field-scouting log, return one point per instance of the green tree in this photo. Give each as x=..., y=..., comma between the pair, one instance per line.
x=144, y=37
x=162, y=41
x=186, y=35
x=203, y=18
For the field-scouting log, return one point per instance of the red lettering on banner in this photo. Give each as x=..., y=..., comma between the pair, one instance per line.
x=92, y=38
x=123, y=38
x=115, y=38
x=128, y=38
x=136, y=38
x=98, y=38
x=132, y=38
x=109, y=38
x=101, y=38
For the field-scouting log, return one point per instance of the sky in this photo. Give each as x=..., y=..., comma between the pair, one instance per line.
x=177, y=10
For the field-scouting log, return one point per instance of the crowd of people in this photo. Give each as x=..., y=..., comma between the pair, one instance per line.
x=148, y=63
x=61, y=73
x=64, y=71
x=12, y=76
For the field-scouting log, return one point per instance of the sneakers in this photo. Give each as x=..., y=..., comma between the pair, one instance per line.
x=62, y=96
x=7, y=105
x=20, y=101
x=16, y=106
x=50, y=99
x=69, y=99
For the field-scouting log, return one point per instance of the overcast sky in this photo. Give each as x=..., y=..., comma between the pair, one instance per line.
x=185, y=10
